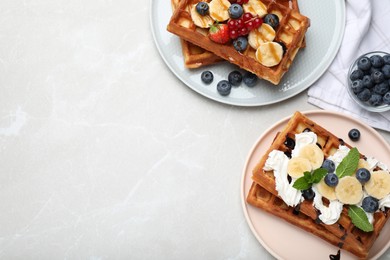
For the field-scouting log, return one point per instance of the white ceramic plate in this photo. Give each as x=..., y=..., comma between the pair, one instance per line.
x=323, y=39
x=285, y=241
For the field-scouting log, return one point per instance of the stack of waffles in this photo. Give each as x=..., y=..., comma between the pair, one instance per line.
x=198, y=50
x=342, y=232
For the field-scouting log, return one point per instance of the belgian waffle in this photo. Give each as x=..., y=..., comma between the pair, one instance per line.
x=291, y=32
x=195, y=57
x=264, y=195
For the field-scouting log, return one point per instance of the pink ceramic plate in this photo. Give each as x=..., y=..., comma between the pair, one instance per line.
x=285, y=241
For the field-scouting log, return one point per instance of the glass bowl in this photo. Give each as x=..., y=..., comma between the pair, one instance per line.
x=359, y=100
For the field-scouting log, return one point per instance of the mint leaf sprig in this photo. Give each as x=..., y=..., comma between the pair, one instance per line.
x=349, y=164
x=359, y=218
x=308, y=179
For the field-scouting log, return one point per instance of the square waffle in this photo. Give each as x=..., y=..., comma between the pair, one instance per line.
x=264, y=195
x=196, y=57
x=291, y=31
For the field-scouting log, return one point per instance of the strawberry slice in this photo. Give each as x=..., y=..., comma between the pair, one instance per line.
x=219, y=33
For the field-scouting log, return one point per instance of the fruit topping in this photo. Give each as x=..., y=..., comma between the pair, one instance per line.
x=308, y=194
x=297, y=166
x=349, y=190
x=379, y=184
x=224, y=87
x=235, y=78
x=241, y=2
x=255, y=7
x=272, y=20
x=202, y=21
x=328, y=165
x=370, y=204
x=235, y=11
x=249, y=79
x=265, y=33
x=207, y=76
x=240, y=44
x=354, y=134
x=269, y=54
x=331, y=180
x=219, y=33
x=363, y=175
x=326, y=191
x=219, y=10
x=314, y=154
x=202, y=8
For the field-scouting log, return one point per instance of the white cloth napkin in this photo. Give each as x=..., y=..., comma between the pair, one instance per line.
x=367, y=29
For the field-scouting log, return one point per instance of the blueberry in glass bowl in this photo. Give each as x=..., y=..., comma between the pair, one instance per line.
x=369, y=81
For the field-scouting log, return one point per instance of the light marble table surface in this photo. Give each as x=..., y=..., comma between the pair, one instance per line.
x=105, y=154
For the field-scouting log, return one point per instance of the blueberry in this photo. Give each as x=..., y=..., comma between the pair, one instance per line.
x=235, y=78
x=329, y=165
x=356, y=74
x=363, y=175
x=308, y=194
x=370, y=204
x=378, y=76
x=367, y=81
x=235, y=11
x=272, y=20
x=381, y=88
x=386, y=70
x=331, y=179
x=250, y=79
x=354, y=134
x=289, y=142
x=202, y=8
x=224, y=87
x=386, y=59
x=357, y=86
x=375, y=100
x=240, y=44
x=207, y=76
x=377, y=61
x=364, y=95
x=386, y=98
x=364, y=63
x=283, y=47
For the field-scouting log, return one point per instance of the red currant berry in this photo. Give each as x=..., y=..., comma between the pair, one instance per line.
x=257, y=22
x=232, y=24
x=245, y=1
x=240, y=2
x=233, y=1
x=247, y=16
x=249, y=25
x=240, y=23
x=244, y=31
x=233, y=34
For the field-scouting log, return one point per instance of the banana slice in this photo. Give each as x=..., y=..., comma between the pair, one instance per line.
x=202, y=21
x=313, y=153
x=326, y=191
x=363, y=164
x=379, y=184
x=269, y=54
x=255, y=7
x=297, y=166
x=219, y=10
x=265, y=33
x=349, y=190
